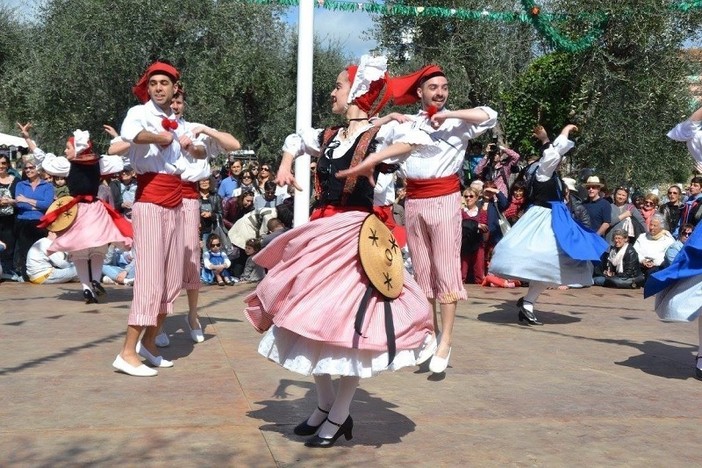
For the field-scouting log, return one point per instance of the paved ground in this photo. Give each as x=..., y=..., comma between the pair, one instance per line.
x=603, y=383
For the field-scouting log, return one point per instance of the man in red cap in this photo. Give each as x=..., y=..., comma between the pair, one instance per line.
x=433, y=200
x=156, y=141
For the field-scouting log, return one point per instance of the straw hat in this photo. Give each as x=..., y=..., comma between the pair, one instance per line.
x=65, y=218
x=570, y=183
x=593, y=180
x=381, y=257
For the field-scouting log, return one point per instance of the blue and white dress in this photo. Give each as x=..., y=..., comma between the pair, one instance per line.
x=546, y=244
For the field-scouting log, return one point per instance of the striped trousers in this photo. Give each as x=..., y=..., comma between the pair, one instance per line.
x=158, y=237
x=434, y=239
x=191, y=241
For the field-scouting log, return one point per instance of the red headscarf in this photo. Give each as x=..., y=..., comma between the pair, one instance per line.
x=404, y=88
x=141, y=89
x=377, y=97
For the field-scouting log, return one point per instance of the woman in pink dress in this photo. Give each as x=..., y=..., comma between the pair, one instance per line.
x=309, y=302
x=97, y=224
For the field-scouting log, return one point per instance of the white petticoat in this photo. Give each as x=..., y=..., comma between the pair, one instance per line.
x=308, y=357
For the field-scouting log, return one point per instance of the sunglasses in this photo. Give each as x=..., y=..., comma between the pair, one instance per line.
x=685, y=233
x=265, y=169
x=215, y=245
x=29, y=168
x=468, y=196
x=649, y=203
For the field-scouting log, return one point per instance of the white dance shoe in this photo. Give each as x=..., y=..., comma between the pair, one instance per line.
x=138, y=371
x=156, y=361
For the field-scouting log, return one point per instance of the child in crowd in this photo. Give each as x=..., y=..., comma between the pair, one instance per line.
x=252, y=272
x=60, y=187
x=216, y=263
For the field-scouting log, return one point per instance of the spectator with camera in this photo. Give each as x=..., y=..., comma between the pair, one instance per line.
x=497, y=166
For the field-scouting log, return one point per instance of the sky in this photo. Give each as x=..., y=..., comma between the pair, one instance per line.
x=338, y=27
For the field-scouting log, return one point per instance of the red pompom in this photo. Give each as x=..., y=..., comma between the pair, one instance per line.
x=431, y=110
x=169, y=124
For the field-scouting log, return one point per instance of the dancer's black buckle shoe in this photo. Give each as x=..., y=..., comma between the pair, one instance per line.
x=345, y=429
x=527, y=315
x=89, y=297
x=97, y=287
x=305, y=429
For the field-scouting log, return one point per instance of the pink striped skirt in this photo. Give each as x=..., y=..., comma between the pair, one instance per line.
x=309, y=299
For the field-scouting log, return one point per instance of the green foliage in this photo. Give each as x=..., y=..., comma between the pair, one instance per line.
x=82, y=58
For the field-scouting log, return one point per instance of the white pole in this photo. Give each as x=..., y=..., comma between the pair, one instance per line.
x=304, y=105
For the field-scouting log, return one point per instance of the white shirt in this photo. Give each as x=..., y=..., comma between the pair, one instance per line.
x=38, y=262
x=307, y=141
x=384, y=190
x=689, y=131
x=551, y=158
x=449, y=146
x=152, y=158
x=199, y=169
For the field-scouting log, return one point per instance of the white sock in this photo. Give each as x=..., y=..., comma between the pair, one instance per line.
x=535, y=290
x=341, y=407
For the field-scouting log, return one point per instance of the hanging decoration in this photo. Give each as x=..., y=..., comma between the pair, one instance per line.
x=533, y=14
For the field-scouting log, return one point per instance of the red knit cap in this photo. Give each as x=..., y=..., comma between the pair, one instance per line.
x=404, y=87
x=141, y=89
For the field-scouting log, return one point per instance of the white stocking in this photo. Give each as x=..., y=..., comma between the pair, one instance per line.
x=83, y=271
x=535, y=290
x=341, y=407
x=325, y=398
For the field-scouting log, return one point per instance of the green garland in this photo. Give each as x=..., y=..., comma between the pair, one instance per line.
x=541, y=21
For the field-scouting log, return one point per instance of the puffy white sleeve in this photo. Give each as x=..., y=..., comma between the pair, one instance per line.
x=111, y=164
x=133, y=124
x=548, y=163
x=303, y=142
x=563, y=144
x=690, y=132
x=410, y=133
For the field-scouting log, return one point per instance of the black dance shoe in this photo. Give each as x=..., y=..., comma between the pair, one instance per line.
x=698, y=371
x=89, y=297
x=525, y=315
x=305, y=429
x=97, y=287
x=345, y=429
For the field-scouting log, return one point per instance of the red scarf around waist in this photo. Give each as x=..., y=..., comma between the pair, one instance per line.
x=165, y=190
x=190, y=190
x=428, y=188
x=326, y=211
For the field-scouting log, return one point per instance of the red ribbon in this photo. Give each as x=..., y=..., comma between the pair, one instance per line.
x=431, y=110
x=169, y=124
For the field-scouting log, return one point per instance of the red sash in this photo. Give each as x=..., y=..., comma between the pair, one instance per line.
x=326, y=211
x=384, y=213
x=429, y=188
x=165, y=190
x=190, y=190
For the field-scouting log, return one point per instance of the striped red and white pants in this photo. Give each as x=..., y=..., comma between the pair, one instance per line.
x=158, y=237
x=434, y=239
x=191, y=240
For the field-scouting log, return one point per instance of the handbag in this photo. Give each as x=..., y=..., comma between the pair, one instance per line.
x=227, y=246
x=502, y=221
